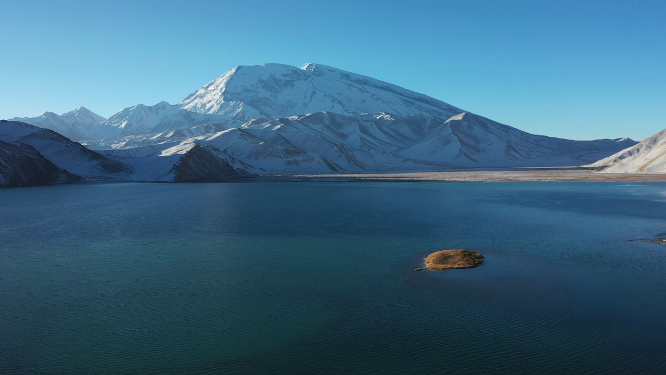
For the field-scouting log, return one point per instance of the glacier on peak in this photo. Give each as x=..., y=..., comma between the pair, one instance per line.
x=309, y=66
x=277, y=90
x=456, y=117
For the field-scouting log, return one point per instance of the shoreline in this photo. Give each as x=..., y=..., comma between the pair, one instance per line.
x=528, y=175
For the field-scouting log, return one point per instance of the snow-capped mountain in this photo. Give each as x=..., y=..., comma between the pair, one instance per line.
x=276, y=90
x=64, y=153
x=649, y=156
x=82, y=116
x=76, y=125
x=277, y=118
x=317, y=119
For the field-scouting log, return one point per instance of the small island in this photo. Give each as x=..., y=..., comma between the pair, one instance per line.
x=450, y=259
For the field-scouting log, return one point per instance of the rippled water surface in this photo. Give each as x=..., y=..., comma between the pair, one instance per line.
x=318, y=278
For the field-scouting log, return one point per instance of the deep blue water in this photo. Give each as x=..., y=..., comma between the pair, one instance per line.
x=318, y=278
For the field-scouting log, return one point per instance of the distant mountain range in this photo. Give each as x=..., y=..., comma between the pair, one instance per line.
x=277, y=118
x=78, y=124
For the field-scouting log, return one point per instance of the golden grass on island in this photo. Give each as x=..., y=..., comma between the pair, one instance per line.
x=457, y=258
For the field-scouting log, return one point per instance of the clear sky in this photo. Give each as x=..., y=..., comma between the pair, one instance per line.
x=573, y=69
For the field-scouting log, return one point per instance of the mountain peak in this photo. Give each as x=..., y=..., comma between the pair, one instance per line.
x=76, y=111
x=278, y=90
x=83, y=115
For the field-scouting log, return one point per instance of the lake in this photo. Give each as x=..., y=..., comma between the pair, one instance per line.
x=318, y=278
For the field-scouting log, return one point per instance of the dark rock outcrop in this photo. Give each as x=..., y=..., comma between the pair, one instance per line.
x=200, y=164
x=22, y=165
x=63, y=152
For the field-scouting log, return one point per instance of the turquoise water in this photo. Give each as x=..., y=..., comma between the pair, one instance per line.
x=318, y=278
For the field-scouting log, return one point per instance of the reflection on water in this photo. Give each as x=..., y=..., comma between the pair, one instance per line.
x=319, y=278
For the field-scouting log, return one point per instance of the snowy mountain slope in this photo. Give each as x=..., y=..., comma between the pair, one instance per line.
x=22, y=165
x=276, y=90
x=78, y=124
x=62, y=152
x=83, y=117
x=383, y=142
x=326, y=142
x=648, y=156
x=139, y=119
x=480, y=140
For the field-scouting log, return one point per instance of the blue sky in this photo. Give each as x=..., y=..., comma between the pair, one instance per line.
x=572, y=69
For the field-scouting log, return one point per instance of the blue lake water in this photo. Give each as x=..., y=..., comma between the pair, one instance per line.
x=318, y=278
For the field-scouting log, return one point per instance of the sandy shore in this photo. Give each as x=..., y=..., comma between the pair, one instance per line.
x=582, y=175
